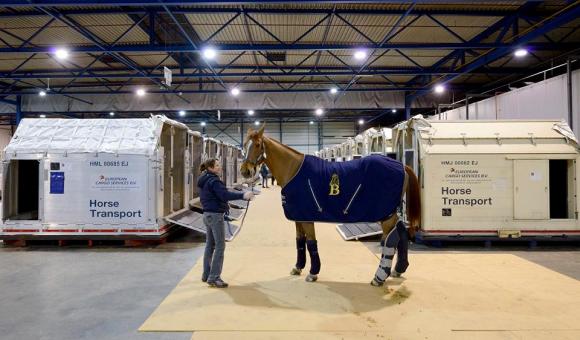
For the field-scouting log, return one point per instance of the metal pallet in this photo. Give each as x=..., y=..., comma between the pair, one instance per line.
x=194, y=220
x=355, y=231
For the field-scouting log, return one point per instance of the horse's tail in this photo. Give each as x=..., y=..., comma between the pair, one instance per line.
x=413, y=201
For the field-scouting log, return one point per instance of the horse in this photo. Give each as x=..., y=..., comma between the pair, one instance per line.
x=289, y=166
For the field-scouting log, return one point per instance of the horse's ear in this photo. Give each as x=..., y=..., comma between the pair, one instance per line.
x=261, y=131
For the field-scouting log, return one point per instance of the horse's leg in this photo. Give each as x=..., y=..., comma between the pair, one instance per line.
x=312, y=246
x=402, y=250
x=300, y=250
x=388, y=243
x=403, y=244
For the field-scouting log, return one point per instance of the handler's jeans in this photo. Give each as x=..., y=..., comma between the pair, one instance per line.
x=215, y=244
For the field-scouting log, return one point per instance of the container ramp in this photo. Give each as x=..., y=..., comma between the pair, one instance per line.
x=194, y=220
x=355, y=231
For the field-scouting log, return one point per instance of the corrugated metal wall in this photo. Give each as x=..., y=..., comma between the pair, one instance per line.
x=337, y=132
x=543, y=100
x=301, y=136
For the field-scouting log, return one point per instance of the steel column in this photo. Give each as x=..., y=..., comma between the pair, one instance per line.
x=18, y=109
x=569, y=88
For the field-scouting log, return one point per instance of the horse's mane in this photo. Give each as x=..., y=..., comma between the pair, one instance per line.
x=297, y=153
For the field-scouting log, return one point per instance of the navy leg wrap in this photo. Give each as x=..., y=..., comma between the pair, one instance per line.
x=388, y=245
x=301, y=252
x=312, y=246
x=402, y=248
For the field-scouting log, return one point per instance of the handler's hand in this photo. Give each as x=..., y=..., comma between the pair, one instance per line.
x=248, y=195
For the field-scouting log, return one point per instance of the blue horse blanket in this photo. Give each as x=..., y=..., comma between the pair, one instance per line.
x=362, y=190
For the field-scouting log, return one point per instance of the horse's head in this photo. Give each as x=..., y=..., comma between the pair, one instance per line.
x=254, y=152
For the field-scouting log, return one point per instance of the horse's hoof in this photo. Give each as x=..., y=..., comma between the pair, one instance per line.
x=311, y=278
x=376, y=283
x=295, y=271
x=394, y=273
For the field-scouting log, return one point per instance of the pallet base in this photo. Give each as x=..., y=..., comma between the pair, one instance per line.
x=87, y=243
x=489, y=241
x=87, y=240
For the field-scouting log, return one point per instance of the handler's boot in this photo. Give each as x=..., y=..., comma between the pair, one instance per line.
x=312, y=246
x=300, y=256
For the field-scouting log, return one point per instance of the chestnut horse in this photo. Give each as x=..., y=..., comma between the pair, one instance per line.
x=285, y=162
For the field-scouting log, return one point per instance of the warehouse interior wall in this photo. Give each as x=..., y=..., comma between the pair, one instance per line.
x=543, y=100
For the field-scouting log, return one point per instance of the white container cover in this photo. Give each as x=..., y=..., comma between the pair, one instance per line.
x=138, y=136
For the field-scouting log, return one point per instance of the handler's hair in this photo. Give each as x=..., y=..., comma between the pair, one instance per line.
x=210, y=163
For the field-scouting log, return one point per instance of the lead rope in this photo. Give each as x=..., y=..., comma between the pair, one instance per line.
x=247, y=207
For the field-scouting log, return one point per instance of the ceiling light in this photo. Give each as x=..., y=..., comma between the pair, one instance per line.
x=209, y=53
x=521, y=52
x=251, y=112
x=439, y=89
x=319, y=112
x=42, y=116
x=61, y=54
x=333, y=90
x=182, y=113
x=202, y=123
x=360, y=55
x=42, y=93
x=394, y=110
x=311, y=123
x=361, y=121
x=235, y=91
x=256, y=123
x=140, y=92
x=111, y=113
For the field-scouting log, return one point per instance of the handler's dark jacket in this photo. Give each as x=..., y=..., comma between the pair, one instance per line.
x=214, y=195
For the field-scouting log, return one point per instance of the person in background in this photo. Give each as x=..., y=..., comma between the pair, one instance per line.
x=273, y=179
x=214, y=198
x=264, y=172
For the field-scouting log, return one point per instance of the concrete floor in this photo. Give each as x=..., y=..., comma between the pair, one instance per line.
x=107, y=292
x=79, y=293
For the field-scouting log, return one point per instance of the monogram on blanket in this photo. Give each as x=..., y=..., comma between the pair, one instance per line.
x=363, y=190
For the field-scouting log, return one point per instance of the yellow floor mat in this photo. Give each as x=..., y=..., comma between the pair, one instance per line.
x=459, y=296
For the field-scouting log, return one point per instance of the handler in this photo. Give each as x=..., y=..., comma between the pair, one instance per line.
x=214, y=199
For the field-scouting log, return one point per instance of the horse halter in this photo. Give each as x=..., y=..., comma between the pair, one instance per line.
x=260, y=157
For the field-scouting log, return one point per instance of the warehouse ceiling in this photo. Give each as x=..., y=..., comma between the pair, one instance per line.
x=71, y=48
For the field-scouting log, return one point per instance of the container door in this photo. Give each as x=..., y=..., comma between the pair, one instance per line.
x=5, y=189
x=531, y=190
x=187, y=177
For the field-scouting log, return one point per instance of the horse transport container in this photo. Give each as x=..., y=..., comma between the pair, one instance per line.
x=348, y=148
x=195, y=153
x=94, y=178
x=359, y=149
x=325, y=154
x=337, y=151
x=229, y=162
x=367, y=138
x=227, y=155
x=381, y=142
x=490, y=179
x=371, y=141
x=211, y=148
